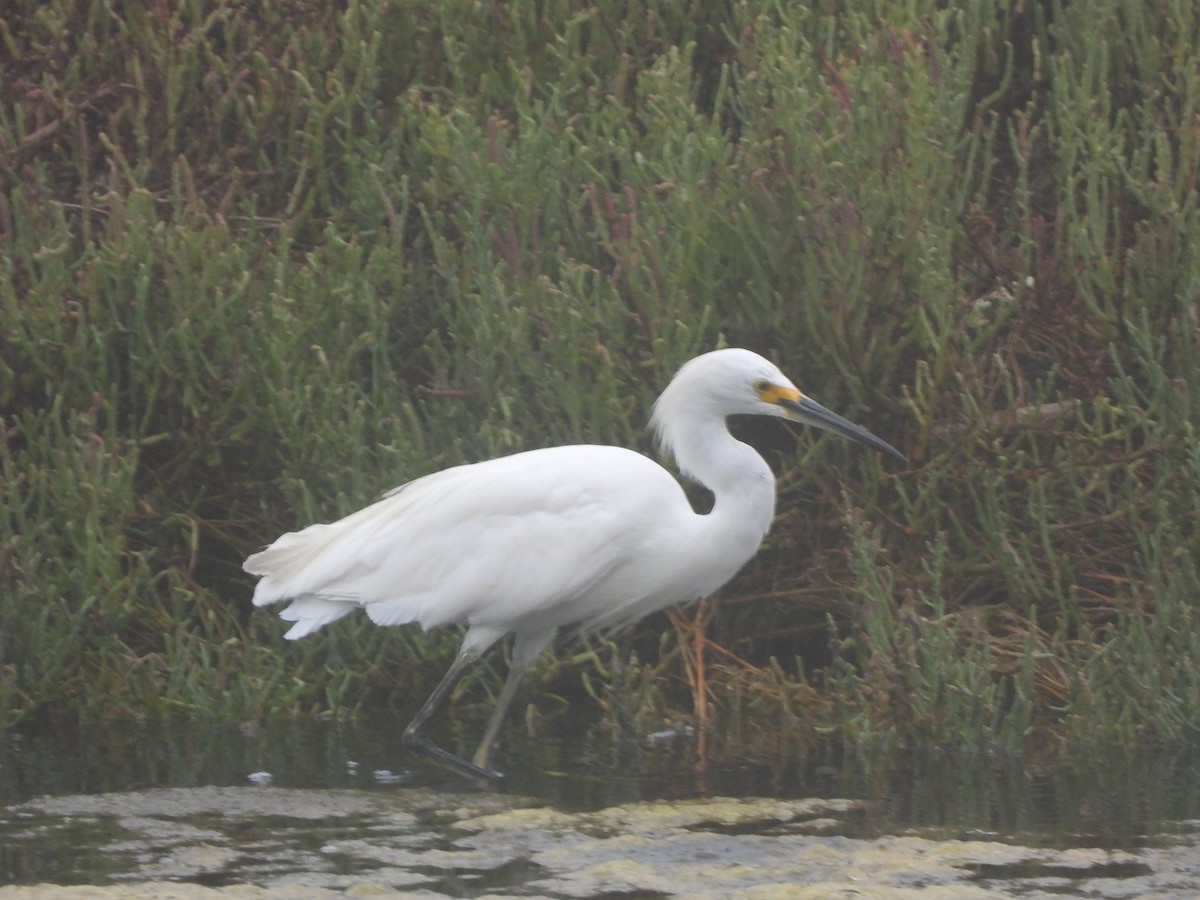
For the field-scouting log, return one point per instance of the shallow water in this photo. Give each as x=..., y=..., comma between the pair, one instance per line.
x=334, y=806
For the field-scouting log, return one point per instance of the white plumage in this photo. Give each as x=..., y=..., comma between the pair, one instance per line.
x=585, y=535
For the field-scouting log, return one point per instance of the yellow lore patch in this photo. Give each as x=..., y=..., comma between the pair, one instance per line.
x=774, y=393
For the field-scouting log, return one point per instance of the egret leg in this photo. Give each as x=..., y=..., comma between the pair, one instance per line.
x=526, y=648
x=503, y=702
x=414, y=737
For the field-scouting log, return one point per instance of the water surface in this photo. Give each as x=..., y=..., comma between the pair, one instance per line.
x=328, y=804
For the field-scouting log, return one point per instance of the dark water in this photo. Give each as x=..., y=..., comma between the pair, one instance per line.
x=1091, y=797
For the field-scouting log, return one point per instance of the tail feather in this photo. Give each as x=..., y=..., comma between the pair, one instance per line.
x=286, y=567
x=290, y=569
x=311, y=612
x=327, y=570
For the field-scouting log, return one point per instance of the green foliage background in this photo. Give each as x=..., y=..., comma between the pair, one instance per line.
x=262, y=261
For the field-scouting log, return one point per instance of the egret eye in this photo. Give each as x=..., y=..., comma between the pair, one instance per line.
x=761, y=386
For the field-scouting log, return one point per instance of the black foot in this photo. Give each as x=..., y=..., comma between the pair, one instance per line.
x=418, y=743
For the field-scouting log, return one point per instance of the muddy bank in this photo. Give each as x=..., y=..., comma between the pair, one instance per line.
x=269, y=842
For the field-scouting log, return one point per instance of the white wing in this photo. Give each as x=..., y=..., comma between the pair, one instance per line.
x=554, y=535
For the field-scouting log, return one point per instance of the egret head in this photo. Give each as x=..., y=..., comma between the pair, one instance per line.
x=734, y=381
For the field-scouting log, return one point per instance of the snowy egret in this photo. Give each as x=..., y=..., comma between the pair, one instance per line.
x=585, y=535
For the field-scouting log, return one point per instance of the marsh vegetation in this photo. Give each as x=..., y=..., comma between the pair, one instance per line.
x=261, y=261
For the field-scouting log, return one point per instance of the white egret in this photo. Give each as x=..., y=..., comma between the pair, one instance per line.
x=589, y=536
